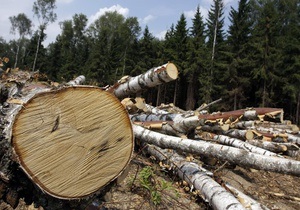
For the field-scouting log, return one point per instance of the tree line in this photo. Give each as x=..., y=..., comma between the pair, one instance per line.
x=256, y=62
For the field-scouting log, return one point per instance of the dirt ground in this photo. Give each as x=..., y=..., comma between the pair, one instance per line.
x=275, y=191
x=164, y=190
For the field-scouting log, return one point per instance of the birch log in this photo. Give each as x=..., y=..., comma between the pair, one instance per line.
x=274, y=114
x=271, y=146
x=153, y=77
x=173, y=124
x=71, y=142
x=245, y=200
x=242, y=145
x=215, y=194
x=225, y=153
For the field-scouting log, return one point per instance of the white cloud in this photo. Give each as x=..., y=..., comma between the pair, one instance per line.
x=118, y=8
x=191, y=14
x=161, y=35
x=147, y=19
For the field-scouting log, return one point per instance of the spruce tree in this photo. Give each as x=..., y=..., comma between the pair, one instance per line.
x=266, y=56
x=181, y=55
x=239, y=66
x=197, y=62
x=217, y=68
x=289, y=43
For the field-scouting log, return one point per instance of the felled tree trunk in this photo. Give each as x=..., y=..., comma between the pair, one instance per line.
x=153, y=77
x=242, y=145
x=197, y=178
x=222, y=152
x=173, y=124
x=271, y=114
x=70, y=142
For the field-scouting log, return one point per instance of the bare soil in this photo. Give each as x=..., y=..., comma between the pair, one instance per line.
x=275, y=191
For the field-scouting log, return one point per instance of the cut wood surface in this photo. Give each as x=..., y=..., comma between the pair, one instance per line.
x=73, y=141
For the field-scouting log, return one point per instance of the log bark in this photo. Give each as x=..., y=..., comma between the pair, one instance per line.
x=154, y=110
x=173, y=124
x=153, y=77
x=197, y=178
x=225, y=153
x=271, y=146
x=242, y=145
x=273, y=114
x=71, y=141
x=245, y=200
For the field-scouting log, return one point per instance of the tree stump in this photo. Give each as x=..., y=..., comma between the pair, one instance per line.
x=71, y=141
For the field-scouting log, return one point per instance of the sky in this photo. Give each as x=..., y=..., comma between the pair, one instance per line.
x=158, y=15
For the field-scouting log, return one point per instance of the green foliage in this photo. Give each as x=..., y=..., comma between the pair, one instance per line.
x=156, y=187
x=239, y=65
x=255, y=64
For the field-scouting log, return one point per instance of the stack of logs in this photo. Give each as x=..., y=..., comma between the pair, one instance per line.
x=63, y=137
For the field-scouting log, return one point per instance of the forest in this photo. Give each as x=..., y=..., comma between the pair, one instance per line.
x=255, y=63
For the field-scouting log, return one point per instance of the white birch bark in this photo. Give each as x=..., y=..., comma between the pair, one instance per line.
x=232, y=117
x=240, y=134
x=173, y=124
x=281, y=126
x=222, y=152
x=153, y=77
x=245, y=200
x=294, y=139
x=77, y=81
x=243, y=145
x=243, y=124
x=155, y=110
x=218, y=197
x=290, y=137
x=273, y=146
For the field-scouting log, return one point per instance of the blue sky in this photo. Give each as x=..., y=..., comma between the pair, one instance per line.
x=159, y=15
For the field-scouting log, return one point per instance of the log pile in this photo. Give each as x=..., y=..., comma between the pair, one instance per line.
x=254, y=138
x=71, y=141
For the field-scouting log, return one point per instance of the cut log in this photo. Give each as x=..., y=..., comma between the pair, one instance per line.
x=173, y=124
x=222, y=152
x=155, y=110
x=70, y=142
x=271, y=146
x=77, y=81
x=291, y=127
x=243, y=124
x=273, y=114
x=197, y=178
x=153, y=77
x=245, y=200
x=242, y=145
